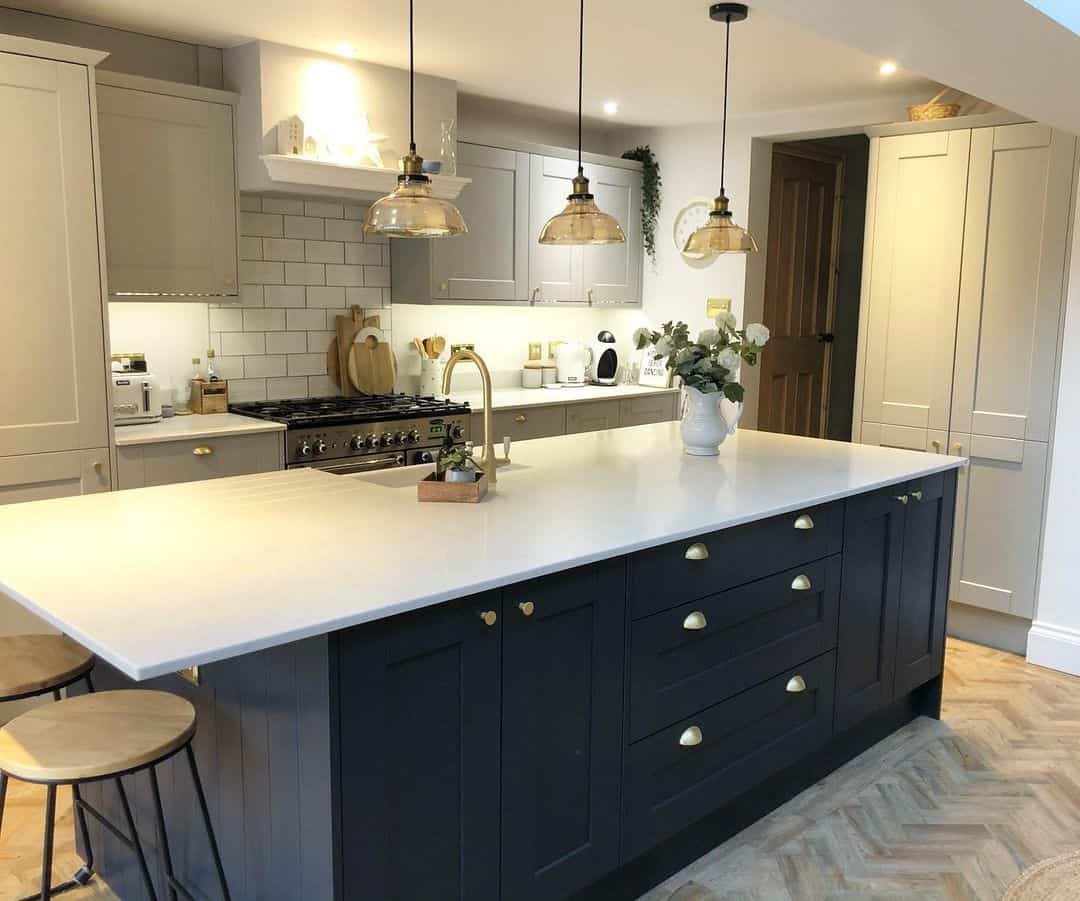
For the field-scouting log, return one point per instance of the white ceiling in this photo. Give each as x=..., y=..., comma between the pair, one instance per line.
x=660, y=59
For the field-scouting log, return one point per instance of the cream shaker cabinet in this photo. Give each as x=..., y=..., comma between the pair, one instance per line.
x=169, y=189
x=556, y=273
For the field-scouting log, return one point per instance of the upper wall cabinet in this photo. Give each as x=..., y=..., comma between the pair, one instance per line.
x=513, y=193
x=169, y=189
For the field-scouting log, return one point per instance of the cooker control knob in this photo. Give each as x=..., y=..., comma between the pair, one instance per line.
x=457, y=432
x=304, y=450
x=386, y=439
x=357, y=443
x=401, y=438
x=320, y=446
x=413, y=437
x=372, y=441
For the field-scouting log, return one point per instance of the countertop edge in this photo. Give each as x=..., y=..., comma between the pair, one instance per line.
x=257, y=427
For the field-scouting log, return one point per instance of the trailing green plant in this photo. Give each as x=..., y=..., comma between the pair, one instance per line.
x=650, y=195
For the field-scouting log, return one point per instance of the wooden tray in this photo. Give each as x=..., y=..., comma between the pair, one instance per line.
x=436, y=491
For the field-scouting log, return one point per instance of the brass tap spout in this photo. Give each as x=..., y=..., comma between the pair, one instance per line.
x=488, y=462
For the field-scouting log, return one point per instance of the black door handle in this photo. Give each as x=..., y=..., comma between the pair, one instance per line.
x=825, y=337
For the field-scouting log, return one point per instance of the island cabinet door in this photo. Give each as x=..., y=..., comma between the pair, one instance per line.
x=563, y=652
x=924, y=581
x=419, y=765
x=869, y=604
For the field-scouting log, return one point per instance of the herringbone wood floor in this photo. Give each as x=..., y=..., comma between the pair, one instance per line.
x=951, y=810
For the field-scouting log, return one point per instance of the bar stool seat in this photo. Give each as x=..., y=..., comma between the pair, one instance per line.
x=35, y=664
x=95, y=736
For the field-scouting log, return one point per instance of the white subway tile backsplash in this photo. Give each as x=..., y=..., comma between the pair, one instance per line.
x=344, y=274
x=377, y=276
x=241, y=390
x=242, y=343
x=323, y=210
x=267, y=320
x=305, y=274
x=355, y=212
x=325, y=297
x=307, y=364
x=324, y=251
x=278, y=389
x=260, y=225
x=250, y=203
x=286, y=342
x=262, y=273
x=344, y=230
x=321, y=386
x=229, y=367
x=285, y=295
x=226, y=319
x=363, y=297
x=251, y=296
x=264, y=366
x=294, y=207
x=331, y=318
x=251, y=249
x=283, y=249
x=303, y=227
x=305, y=320
x=319, y=342
x=368, y=254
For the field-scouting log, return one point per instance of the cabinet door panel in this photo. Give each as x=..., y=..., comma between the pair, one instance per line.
x=1010, y=294
x=562, y=740
x=592, y=417
x=555, y=273
x=612, y=272
x=644, y=410
x=490, y=262
x=49, y=257
x=924, y=583
x=169, y=192
x=998, y=523
x=419, y=717
x=869, y=603
x=914, y=278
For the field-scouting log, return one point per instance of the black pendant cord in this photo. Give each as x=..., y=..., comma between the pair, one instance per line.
x=412, y=83
x=580, y=79
x=723, y=127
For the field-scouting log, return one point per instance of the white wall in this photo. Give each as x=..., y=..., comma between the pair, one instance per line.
x=170, y=334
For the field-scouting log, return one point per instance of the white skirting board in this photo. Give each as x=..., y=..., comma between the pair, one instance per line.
x=1055, y=647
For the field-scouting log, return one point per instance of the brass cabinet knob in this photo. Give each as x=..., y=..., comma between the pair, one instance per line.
x=489, y=617
x=695, y=621
x=958, y=447
x=202, y=451
x=804, y=521
x=796, y=684
x=903, y=498
x=229, y=281
x=527, y=607
x=98, y=465
x=936, y=445
x=521, y=417
x=691, y=736
x=917, y=495
x=800, y=583
x=588, y=295
x=697, y=551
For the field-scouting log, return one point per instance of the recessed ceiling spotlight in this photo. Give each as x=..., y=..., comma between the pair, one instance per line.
x=347, y=50
x=888, y=68
x=611, y=107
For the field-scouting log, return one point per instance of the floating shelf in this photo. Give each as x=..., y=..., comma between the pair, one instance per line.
x=297, y=173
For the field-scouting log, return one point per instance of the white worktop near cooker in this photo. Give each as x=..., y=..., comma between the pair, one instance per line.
x=196, y=425
x=516, y=398
x=309, y=552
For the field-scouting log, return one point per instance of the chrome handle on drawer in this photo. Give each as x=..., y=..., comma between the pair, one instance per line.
x=521, y=417
x=690, y=737
x=697, y=551
x=800, y=583
x=796, y=684
x=202, y=451
x=804, y=521
x=695, y=621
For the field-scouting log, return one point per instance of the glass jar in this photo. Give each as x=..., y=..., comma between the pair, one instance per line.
x=448, y=147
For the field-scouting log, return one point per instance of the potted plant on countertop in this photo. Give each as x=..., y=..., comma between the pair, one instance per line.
x=458, y=465
x=709, y=369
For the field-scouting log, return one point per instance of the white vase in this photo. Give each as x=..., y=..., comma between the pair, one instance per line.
x=704, y=426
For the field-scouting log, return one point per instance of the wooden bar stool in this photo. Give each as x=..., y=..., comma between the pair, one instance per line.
x=102, y=736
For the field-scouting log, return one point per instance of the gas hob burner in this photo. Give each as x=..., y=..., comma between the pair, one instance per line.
x=312, y=412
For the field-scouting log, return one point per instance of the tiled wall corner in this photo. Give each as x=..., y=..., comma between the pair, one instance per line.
x=303, y=262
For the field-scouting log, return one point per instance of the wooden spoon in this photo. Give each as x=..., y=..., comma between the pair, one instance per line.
x=418, y=345
x=438, y=344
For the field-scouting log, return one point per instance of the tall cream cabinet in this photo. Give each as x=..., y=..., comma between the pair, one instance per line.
x=54, y=422
x=960, y=323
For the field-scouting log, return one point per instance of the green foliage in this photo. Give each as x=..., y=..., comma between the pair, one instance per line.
x=459, y=459
x=650, y=195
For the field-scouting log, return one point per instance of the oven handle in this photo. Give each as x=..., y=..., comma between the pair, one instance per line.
x=352, y=466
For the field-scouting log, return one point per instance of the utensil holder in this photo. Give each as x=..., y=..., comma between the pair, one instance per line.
x=431, y=376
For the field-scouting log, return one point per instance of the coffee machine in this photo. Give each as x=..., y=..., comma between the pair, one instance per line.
x=604, y=365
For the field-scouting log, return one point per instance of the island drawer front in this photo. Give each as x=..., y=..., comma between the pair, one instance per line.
x=171, y=462
x=693, y=768
x=521, y=424
x=672, y=574
x=690, y=657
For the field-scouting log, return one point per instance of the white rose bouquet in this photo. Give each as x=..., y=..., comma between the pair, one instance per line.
x=711, y=363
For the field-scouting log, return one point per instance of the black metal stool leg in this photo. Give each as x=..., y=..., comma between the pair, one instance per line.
x=85, y=873
x=47, y=849
x=163, y=838
x=206, y=819
x=135, y=840
x=89, y=684
x=3, y=795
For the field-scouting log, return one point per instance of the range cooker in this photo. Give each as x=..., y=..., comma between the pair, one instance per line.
x=359, y=434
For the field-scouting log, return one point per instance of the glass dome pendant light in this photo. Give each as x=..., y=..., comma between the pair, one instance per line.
x=411, y=210
x=581, y=220
x=720, y=234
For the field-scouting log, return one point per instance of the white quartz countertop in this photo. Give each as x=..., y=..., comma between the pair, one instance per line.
x=305, y=552
x=197, y=425
x=515, y=398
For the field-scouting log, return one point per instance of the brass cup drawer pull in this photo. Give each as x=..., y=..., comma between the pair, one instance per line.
x=489, y=617
x=697, y=551
x=917, y=495
x=795, y=685
x=527, y=607
x=804, y=521
x=903, y=498
x=691, y=737
x=800, y=583
x=202, y=451
x=695, y=621
x=521, y=417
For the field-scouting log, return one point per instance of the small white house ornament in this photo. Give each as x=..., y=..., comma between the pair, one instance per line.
x=290, y=136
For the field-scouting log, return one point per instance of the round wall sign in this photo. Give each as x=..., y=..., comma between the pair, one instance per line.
x=690, y=218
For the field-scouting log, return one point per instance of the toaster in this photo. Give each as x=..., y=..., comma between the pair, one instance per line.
x=136, y=397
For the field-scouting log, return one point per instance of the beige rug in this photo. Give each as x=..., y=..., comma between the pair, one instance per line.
x=1056, y=879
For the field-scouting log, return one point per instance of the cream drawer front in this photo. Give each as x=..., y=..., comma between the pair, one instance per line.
x=205, y=458
x=592, y=417
x=521, y=424
x=644, y=410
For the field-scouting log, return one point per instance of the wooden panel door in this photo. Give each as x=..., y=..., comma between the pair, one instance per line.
x=869, y=604
x=1010, y=296
x=419, y=720
x=562, y=730
x=169, y=193
x=491, y=261
x=592, y=417
x=910, y=296
x=52, y=351
x=924, y=582
x=998, y=523
x=798, y=295
x=612, y=272
x=555, y=273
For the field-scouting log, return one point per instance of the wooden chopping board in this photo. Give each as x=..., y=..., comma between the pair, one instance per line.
x=371, y=367
x=374, y=365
